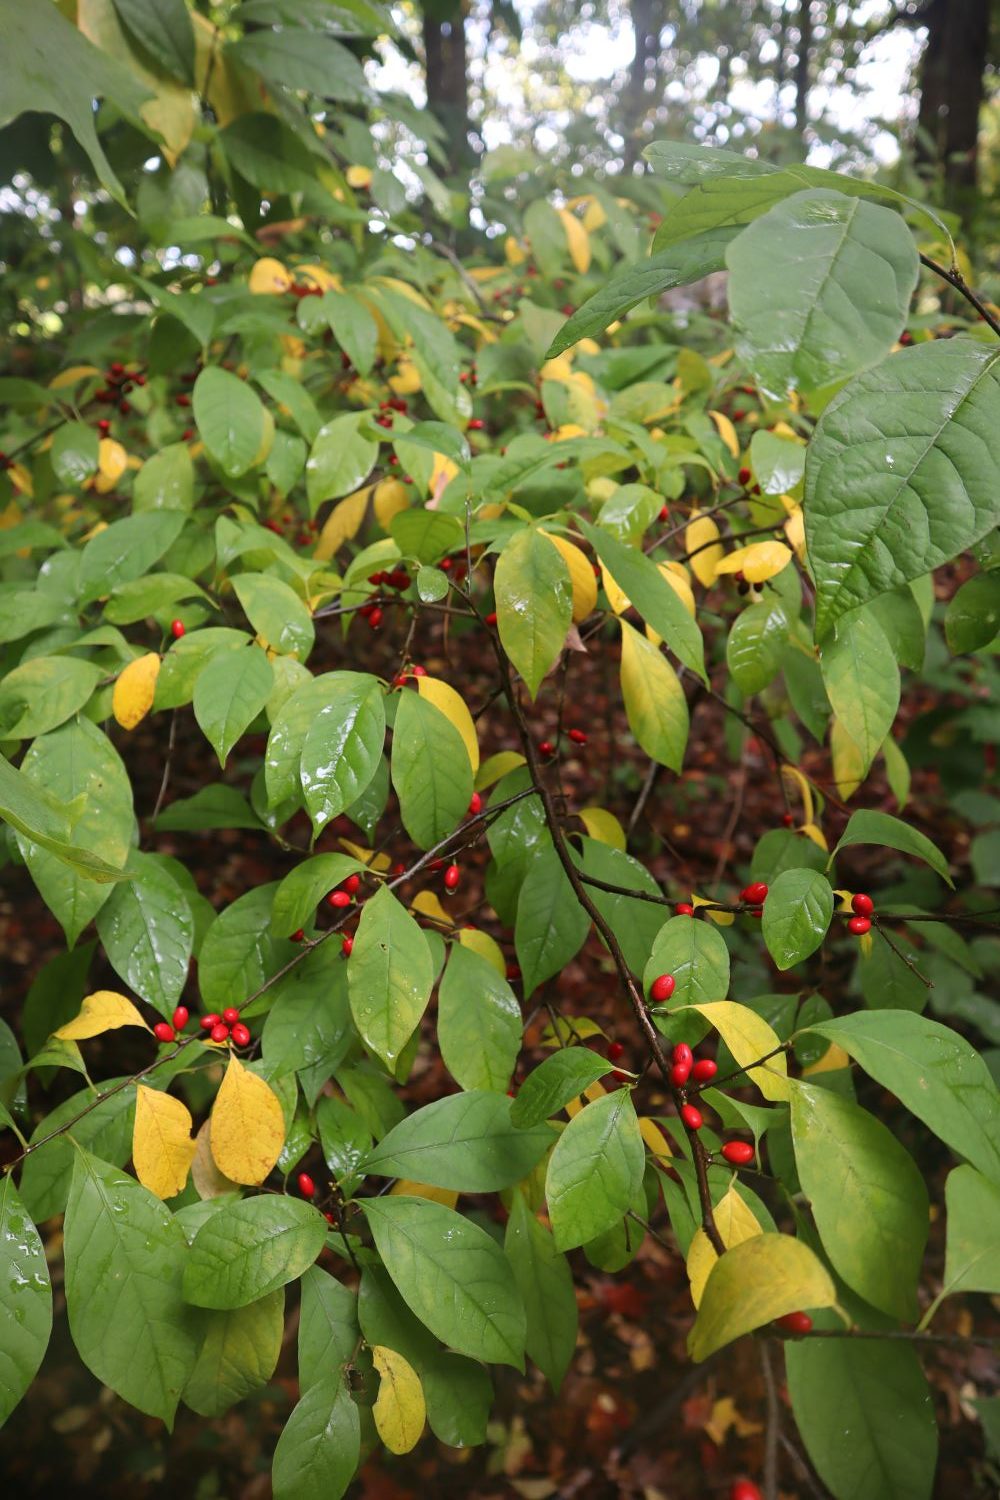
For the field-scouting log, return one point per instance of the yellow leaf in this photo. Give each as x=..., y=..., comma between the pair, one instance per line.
x=453, y=706
x=757, y=1281
x=21, y=480
x=795, y=530
x=593, y=1090
x=487, y=947
x=72, y=376
x=727, y=432
x=617, y=597
x=134, y=689
x=795, y=781
x=581, y=575
x=377, y=862
x=317, y=275
x=676, y=575
x=700, y=531
x=603, y=826
x=735, y=1223
x=112, y=461
x=566, y=431
x=594, y=215
x=811, y=831
x=748, y=1036
x=389, y=499
x=570, y=1029
x=208, y=1181
x=720, y=918
x=833, y=1059
x=406, y=381
x=399, y=1409
x=442, y=473
x=514, y=251
x=497, y=766
x=848, y=762
x=577, y=239
x=359, y=177
x=447, y=1196
x=343, y=523
x=560, y=368
x=266, y=440
x=758, y=562
x=104, y=1010
x=655, y=1140
x=162, y=1145
x=248, y=1128
x=726, y=1415
x=428, y=905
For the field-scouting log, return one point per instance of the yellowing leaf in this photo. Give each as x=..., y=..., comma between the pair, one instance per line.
x=453, y=706
x=399, y=1409
x=758, y=562
x=406, y=381
x=735, y=1223
x=726, y=1415
x=496, y=766
x=603, y=826
x=655, y=1140
x=442, y=473
x=593, y=1090
x=317, y=275
x=102, y=1011
x=568, y=430
x=410, y=1189
x=269, y=277
x=208, y=1181
x=676, y=575
x=487, y=947
x=720, y=918
x=577, y=239
x=514, y=251
x=795, y=781
x=72, y=376
x=594, y=215
x=359, y=177
x=848, y=762
x=428, y=905
x=817, y=835
x=377, y=862
x=248, y=1128
x=135, y=687
x=833, y=1059
x=162, y=1145
x=795, y=530
x=389, y=499
x=748, y=1036
x=617, y=597
x=581, y=576
x=727, y=432
x=699, y=532
x=757, y=1281
x=112, y=461
x=343, y=522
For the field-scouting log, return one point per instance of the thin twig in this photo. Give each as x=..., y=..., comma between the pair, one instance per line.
x=165, y=780
x=773, y=1429
x=955, y=278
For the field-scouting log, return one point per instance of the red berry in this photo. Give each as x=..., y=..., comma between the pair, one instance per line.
x=754, y=893
x=298, y=935
x=662, y=988
x=241, y=1034
x=546, y=748
x=419, y=671
x=351, y=884
x=104, y=426
x=182, y=400
x=306, y=1185
x=862, y=905
x=739, y=414
x=164, y=1032
x=795, y=1322
x=513, y=971
x=375, y=618
x=177, y=629
x=347, y=946
x=691, y=1117
x=477, y=424
x=475, y=805
x=745, y=1489
x=187, y=435
x=124, y=407
x=615, y=1051
x=621, y=1077
x=230, y=1015
x=338, y=900
x=679, y=1074
x=788, y=819
x=219, y=1033
x=664, y=513
x=328, y=1216
x=859, y=926
x=491, y=618
x=181, y=1017
x=704, y=1070
x=738, y=1153
x=207, y=1022
x=577, y=736
x=683, y=1054
x=744, y=475
x=451, y=878
x=683, y=909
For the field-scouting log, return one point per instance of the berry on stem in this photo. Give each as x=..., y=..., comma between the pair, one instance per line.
x=475, y=805
x=795, y=1322
x=862, y=905
x=241, y=1034
x=207, y=1022
x=546, y=748
x=451, y=878
x=754, y=893
x=615, y=1051
x=338, y=900
x=683, y=1054
x=679, y=1074
x=219, y=1033
x=745, y=1489
x=177, y=629
x=306, y=1185
x=683, y=909
x=352, y=884
x=692, y=1117
x=859, y=926
x=738, y=1153
x=577, y=736
x=298, y=936
x=662, y=987
x=704, y=1070
x=347, y=946
x=164, y=1032
x=181, y=1017
x=230, y=1015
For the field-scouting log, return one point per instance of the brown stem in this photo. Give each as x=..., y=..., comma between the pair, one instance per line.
x=955, y=278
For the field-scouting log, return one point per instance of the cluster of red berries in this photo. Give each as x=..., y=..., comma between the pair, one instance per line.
x=118, y=382
x=457, y=566
x=862, y=906
x=468, y=377
x=221, y=1028
x=398, y=579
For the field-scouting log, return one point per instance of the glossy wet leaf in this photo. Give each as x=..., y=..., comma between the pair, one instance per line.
x=230, y=419
x=431, y=772
x=389, y=976
x=545, y=1282
x=479, y=1022
x=320, y=1444
x=229, y=694
x=25, y=1299
x=594, y=1170
x=250, y=1248
x=147, y=930
x=534, y=599
x=797, y=915
x=342, y=746
x=464, y=1141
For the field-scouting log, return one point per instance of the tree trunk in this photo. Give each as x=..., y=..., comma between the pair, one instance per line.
x=647, y=20
x=802, y=78
x=447, y=79
x=951, y=95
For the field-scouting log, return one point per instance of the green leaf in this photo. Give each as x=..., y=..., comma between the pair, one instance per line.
x=276, y=613
x=972, y=1254
x=625, y=288
x=595, y=1170
x=652, y=596
x=464, y=1141
x=328, y=1326
x=126, y=550
x=106, y=1130
x=819, y=288
x=25, y=1299
x=755, y=644
x=862, y=681
x=866, y=1416
x=237, y=1355
x=389, y=976
x=431, y=772
x=797, y=915
x=972, y=618
x=147, y=931
x=29, y=812
x=551, y=924
x=778, y=463
x=43, y=693
x=340, y=459
x=425, y=534
x=901, y=473
x=866, y=827
x=752, y=1284
x=288, y=732
x=342, y=746
x=230, y=419
x=215, y=806
x=125, y=1255
x=163, y=30
x=301, y=58
x=154, y=594
x=320, y=1444
x=534, y=599
x=238, y=951
x=695, y=953
x=229, y=694
x=452, y=1275
x=549, y=1087
x=251, y=1248
x=545, y=1282
x=308, y=1024
x=655, y=702
x=933, y=1072
x=165, y=481
x=69, y=765
x=344, y=1137
x=74, y=453
x=782, y=849
x=23, y=611
x=353, y=327
x=301, y=891
x=634, y=923
x=478, y=1023
x=868, y=1198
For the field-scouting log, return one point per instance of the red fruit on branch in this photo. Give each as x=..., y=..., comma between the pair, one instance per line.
x=230, y=1015
x=795, y=1322
x=164, y=1032
x=419, y=671
x=738, y=1153
x=683, y=1054
x=451, y=878
x=177, y=629
x=679, y=1074
x=183, y=399
x=181, y=1017
x=375, y=618
x=754, y=893
x=491, y=618
x=662, y=987
x=351, y=884
x=546, y=748
x=306, y=1185
x=104, y=426
x=615, y=1051
x=475, y=805
x=338, y=900
x=620, y=1077
x=219, y=1033
x=683, y=909
x=704, y=1070
x=207, y=1022
x=298, y=935
x=241, y=1034
x=788, y=819
x=476, y=424
x=577, y=736
x=859, y=926
x=862, y=905
x=744, y=475
x=745, y=1489
x=347, y=946
x=692, y=1117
